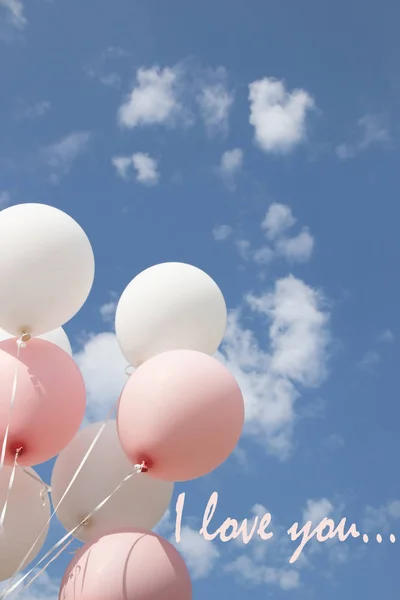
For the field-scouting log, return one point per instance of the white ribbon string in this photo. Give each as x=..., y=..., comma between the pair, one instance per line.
x=11, y=588
x=79, y=469
x=20, y=344
x=43, y=569
x=46, y=488
x=10, y=484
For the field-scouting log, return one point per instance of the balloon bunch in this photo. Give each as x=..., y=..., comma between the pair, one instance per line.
x=179, y=416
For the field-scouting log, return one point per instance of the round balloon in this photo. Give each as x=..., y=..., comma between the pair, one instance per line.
x=182, y=412
x=141, y=502
x=170, y=306
x=57, y=336
x=127, y=565
x=50, y=400
x=27, y=515
x=46, y=268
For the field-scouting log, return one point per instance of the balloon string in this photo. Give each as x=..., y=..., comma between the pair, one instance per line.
x=136, y=470
x=43, y=569
x=31, y=474
x=20, y=344
x=80, y=467
x=10, y=484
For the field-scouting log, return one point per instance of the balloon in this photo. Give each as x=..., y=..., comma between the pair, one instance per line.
x=128, y=565
x=170, y=306
x=182, y=412
x=57, y=336
x=28, y=511
x=141, y=502
x=50, y=400
x=46, y=268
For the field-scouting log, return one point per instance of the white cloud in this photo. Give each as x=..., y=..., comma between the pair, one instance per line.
x=200, y=555
x=278, y=116
x=231, y=163
x=316, y=510
x=15, y=9
x=251, y=572
x=297, y=356
x=61, y=155
x=222, y=232
x=380, y=520
x=215, y=102
x=263, y=255
x=103, y=368
x=153, y=100
x=123, y=165
x=43, y=588
x=5, y=199
x=142, y=163
x=251, y=569
x=107, y=311
x=278, y=219
x=298, y=248
x=372, y=130
x=146, y=168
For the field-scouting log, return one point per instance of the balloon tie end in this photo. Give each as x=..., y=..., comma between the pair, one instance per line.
x=18, y=452
x=142, y=468
x=23, y=339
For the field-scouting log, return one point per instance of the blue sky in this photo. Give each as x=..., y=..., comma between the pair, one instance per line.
x=258, y=142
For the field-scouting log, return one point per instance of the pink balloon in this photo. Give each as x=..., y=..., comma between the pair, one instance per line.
x=134, y=564
x=182, y=412
x=49, y=404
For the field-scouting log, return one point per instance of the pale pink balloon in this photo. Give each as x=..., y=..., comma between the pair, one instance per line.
x=182, y=412
x=49, y=404
x=134, y=564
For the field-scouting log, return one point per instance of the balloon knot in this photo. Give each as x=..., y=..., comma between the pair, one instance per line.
x=143, y=468
x=23, y=339
x=18, y=451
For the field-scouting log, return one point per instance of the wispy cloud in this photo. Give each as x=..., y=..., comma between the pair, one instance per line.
x=98, y=69
x=60, y=156
x=215, y=101
x=145, y=167
x=230, y=165
x=277, y=220
x=372, y=130
x=222, y=232
x=276, y=224
x=15, y=12
x=369, y=361
x=278, y=116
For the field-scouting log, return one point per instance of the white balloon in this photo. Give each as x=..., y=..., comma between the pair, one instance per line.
x=170, y=306
x=46, y=268
x=57, y=336
x=27, y=513
x=141, y=501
